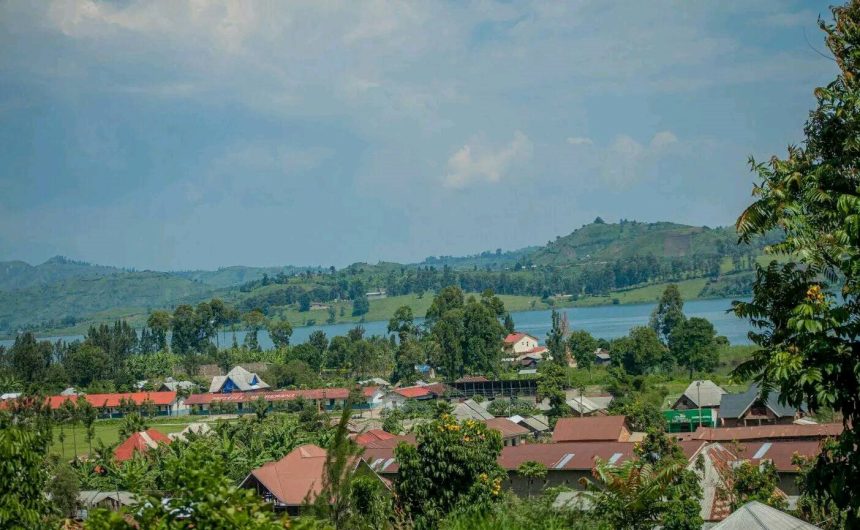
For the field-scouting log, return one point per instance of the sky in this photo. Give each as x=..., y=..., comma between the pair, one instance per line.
x=177, y=135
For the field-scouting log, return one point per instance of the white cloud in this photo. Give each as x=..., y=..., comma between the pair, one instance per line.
x=580, y=140
x=476, y=163
x=663, y=139
x=627, y=161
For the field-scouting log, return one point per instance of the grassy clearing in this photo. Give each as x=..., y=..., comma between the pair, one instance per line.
x=690, y=290
x=108, y=432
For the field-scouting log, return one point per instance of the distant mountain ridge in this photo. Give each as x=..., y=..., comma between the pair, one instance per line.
x=62, y=291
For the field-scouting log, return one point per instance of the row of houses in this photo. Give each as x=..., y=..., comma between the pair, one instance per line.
x=578, y=443
x=705, y=403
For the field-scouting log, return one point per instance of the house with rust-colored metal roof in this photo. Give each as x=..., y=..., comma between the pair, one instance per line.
x=139, y=442
x=591, y=429
x=512, y=432
x=296, y=478
x=769, y=432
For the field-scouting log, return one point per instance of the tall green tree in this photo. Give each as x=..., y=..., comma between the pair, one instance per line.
x=280, y=332
x=693, y=344
x=30, y=358
x=807, y=314
x=668, y=313
x=159, y=324
x=254, y=321
x=582, y=346
x=555, y=340
x=640, y=352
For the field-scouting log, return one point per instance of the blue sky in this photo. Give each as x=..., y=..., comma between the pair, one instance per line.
x=178, y=135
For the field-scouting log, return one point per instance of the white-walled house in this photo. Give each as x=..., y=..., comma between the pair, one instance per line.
x=517, y=344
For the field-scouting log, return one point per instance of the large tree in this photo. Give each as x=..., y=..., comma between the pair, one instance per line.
x=808, y=315
x=693, y=344
x=582, y=346
x=668, y=313
x=452, y=466
x=30, y=358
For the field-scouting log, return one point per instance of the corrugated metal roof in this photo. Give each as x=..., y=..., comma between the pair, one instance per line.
x=755, y=515
x=590, y=428
x=765, y=432
x=732, y=406
x=709, y=392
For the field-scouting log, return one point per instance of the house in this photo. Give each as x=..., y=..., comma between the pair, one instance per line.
x=471, y=410
x=719, y=459
x=197, y=429
x=113, y=405
x=704, y=394
x=591, y=429
x=237, y=380
x=516, y=344
x=243, y=402
x=538, y=424
x=172, y=385
x=139, y=442
x=602, y=357
x=70, y=391
x=748, y=408
x=295, y=479
x=425, y=371
x=397, y=397
x=769, y=433
x=569, y=462
x=757, y=516
x=512, y=432
x=371, y=435
x=109, y=500
x=587, y=405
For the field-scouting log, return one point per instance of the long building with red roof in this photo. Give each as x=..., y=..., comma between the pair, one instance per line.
x=111, y=405
x=327, y=398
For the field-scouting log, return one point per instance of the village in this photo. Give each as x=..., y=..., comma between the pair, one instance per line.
x=716, y=430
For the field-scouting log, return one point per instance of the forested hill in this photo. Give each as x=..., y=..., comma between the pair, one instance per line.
x=606, y=242
x=20, y=275
x=594, y=261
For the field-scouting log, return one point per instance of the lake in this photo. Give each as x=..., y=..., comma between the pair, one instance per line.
x=608, y=322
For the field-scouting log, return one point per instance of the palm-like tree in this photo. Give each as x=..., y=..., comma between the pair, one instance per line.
x=532, y=471
x=632, y=495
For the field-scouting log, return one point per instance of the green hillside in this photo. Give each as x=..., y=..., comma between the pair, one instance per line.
x=606, y=242
x=237, y=275
x=600, y=263
x=67, y=301
x=20, y=275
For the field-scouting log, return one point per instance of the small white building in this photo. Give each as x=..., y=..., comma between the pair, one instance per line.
x=517, y=344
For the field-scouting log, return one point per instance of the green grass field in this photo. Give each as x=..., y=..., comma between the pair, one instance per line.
x=108, y=432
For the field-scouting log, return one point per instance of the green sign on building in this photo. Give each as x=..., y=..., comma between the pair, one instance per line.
x=689, y=420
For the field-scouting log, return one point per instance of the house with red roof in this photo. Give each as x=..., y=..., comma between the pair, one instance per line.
x=516, y=344
x=295, y=479
x=139, y=442
x=113, y=405
x=591, y=429
x=243, y=402
x=399, y=396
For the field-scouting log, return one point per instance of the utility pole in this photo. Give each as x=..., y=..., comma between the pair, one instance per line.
x=699, y=400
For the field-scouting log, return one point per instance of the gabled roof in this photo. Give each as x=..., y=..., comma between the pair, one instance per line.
x=517, y=336
x=757, y=516
x=585, y=405
x=576, y=455
x=372, y=435
x=589, y=428
x=422, y=391
x=709, y=392
x=278, y=395
x=140, y=441
x=768, y=432
x=508, y=428
x=113, y=400
x=244, y=380
x=471, y=410
x=295, y=477
x=733, y=406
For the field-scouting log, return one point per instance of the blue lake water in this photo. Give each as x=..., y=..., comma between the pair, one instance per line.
x=603, y=321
